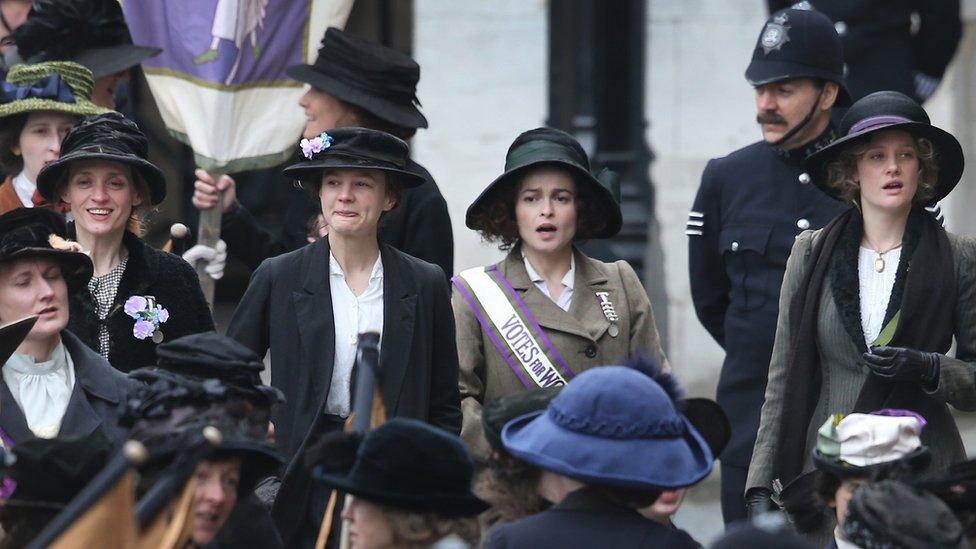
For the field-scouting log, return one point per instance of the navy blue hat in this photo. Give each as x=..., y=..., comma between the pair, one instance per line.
x=799, y=43
x=613, y=426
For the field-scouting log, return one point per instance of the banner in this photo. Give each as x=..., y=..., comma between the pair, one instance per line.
x=220, y=81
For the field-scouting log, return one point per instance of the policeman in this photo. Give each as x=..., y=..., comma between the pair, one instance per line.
x=750, y=207
x=885, y=50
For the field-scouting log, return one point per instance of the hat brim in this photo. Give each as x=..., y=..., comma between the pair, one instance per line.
x=763, y=72
x=918, y=460
x=258, y=460
x=640, y=463
x=105, y=61
x=311, y=171
x=406, y=116
x=449, y=505
x=80, y=107
x=56, y=171
x=76, y=267
x=12, y=334
x=947, y=147
x=607, y=208
x=711, y=422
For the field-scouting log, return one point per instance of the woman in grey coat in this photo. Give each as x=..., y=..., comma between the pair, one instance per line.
x=871, y=303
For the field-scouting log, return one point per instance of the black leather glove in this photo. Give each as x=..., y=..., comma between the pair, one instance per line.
x=903, y=364
x=759, y=501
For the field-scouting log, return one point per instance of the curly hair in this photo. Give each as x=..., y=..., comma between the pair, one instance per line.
x=496, y=221
x=417, y=530
x=842, y=170
x=510, y=485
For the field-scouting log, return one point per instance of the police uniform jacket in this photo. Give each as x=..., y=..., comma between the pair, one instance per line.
x=843, y=371
x=287, y=310
x=582, y=335
x=880, y=50
x=749, y=209
x=92, y=406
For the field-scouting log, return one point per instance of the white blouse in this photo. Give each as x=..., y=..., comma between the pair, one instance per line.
x=875, y=289
x=41, y=389
x=353, y=315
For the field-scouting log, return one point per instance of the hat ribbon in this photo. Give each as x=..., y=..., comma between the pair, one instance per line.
x=396, y=87
x=873, y=122
x=49, y=87
x=542, y=150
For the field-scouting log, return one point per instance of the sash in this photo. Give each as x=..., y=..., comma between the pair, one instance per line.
x=509, y=324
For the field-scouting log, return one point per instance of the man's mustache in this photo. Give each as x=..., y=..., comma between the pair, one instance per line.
x=770, y=118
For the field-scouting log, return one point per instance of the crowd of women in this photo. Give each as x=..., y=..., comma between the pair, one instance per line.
x=530, y=403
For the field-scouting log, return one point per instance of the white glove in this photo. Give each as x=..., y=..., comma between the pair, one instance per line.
x=216, y=258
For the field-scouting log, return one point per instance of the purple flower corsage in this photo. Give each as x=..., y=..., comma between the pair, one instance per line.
x=315, y=145
x=148, y=316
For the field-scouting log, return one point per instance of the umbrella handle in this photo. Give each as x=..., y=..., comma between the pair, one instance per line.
x=208, y=235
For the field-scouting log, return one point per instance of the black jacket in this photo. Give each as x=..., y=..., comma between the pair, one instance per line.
x=749, y=209
x=99, y=390
x=419, y=226
x=585, y=519
x=163, y=275
x=287, y=309
x=880, y=51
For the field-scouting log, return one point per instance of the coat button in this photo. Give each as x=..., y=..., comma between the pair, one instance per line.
x=804, y=178
x=803, y=224
x=735, y=246
x=590, y=351
x=841, y=28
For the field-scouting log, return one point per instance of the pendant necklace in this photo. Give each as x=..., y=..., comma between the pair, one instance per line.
x=879, y=262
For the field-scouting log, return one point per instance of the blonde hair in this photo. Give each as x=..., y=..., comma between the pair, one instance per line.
x=842, y=170
x=411, y=529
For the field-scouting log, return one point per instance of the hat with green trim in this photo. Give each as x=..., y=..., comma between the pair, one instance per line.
x=58, y=86
x=549, y=146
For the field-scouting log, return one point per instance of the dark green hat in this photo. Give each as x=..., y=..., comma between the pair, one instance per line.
x=549, y=146
x=498, y=412
x=58, y=86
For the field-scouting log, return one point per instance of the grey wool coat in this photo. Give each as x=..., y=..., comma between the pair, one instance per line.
x=581, y=335
x=844, y=372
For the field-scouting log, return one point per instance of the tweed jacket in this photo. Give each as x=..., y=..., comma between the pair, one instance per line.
x=92, y=406
x=843, y=371
x=581, y=335
x=167, y=277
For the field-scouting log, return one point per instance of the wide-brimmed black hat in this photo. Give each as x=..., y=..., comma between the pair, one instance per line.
x=381, y=80
x=549, y=146
x=39, y=232
x=202, y=380
x=111, y=137
x=48, y=473
x=894, y=514
x=799, y=43
x=406, y=464
x=354, y=148
x=890, y=110
x=92, y=33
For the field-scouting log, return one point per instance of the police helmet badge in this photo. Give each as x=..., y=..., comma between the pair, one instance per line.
x=776, y=33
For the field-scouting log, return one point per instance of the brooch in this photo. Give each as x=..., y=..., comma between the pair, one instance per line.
x=148, y=316
x=609, y=312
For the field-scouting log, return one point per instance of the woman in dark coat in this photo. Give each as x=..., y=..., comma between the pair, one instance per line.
x=138, y=296
x=306, y=307
x=871, y=303
x=52, y=385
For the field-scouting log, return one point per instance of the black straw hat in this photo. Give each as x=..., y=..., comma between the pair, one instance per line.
x=799, y=43
x=891, y=110
x=410, y=465
x=39, y=232
x=549, y=146
x=90, y=32
x=381, y=80
x=354, y=148
x=110, y=137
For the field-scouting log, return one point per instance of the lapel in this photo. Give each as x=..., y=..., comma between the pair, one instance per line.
x=80, y=418
x=316, y=325
x=12, y=418
x=399, y=317
x=547, y=313
x=590, y=279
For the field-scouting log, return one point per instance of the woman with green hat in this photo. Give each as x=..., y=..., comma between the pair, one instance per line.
x=38, y=104
x=547, y=311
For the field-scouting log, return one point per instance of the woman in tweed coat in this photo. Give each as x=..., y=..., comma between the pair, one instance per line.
x=870, y=303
